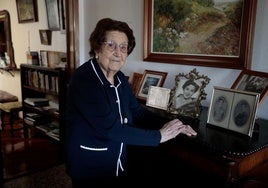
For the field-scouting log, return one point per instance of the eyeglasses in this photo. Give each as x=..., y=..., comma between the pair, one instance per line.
x=112, y=45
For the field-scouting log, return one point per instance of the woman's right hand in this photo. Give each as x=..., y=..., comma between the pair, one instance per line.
x=174, y=127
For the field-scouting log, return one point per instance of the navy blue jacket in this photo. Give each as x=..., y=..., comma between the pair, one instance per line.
x=100, y=120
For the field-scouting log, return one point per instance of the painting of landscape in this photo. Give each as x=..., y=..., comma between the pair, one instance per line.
x=197, y=27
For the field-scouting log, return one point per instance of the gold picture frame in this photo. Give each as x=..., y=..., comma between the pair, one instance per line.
x=187, y=94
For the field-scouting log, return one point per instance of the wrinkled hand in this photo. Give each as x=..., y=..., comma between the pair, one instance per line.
x=174, y=127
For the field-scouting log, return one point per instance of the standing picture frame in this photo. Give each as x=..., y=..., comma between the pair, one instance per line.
x=150, y=78
x=53, y=15
x=135, y=82
x=27, y=11
x=254, y=81
x=43, y=58
x=187, y=94
x=179, y=27
x=236, y=112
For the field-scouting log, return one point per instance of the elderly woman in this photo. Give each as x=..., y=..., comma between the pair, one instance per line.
x=102, y=109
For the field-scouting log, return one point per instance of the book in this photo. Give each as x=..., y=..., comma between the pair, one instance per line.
x=36, y=119
x=37, y=101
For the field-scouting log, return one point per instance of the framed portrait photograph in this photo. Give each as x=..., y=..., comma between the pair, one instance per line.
x=53, y=15
x=187, y=94
x=158, y=97
x=43, y=58
x=233, y=109
x=27, y=11
x=45, y=36
x=150, y=78
x=135, y=82
x=253, y=81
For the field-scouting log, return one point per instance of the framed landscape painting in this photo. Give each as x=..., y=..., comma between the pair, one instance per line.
x=203, y=33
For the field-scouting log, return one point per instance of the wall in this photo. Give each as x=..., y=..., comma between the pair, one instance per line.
x=19, y=33
x=132, y=12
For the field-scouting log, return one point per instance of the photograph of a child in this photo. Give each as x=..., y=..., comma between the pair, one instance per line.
x=186, y=95
x=220, y=109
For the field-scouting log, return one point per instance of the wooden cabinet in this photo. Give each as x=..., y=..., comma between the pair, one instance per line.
x=43, y=92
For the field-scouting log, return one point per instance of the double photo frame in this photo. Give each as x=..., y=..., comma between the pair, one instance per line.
x=233, y=109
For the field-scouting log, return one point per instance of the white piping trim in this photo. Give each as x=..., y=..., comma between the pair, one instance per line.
x=96, y=71
x=119, y=163
x=94, y=149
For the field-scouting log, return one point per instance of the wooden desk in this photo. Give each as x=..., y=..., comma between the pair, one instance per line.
x=227, y=154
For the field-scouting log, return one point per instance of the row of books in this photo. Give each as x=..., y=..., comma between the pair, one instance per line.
x=51, y=129
x=43, y=123
x=37, y=101
x=44, y=105
x=42, y=80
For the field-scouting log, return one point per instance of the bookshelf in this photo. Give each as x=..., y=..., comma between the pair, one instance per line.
x=43, y=92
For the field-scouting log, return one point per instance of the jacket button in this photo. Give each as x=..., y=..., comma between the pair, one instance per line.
x=125, y=120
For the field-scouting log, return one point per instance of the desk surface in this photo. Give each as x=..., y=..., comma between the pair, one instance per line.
x=222, y=141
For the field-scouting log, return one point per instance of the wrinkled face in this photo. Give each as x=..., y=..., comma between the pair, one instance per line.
x=113, y=53
x=188, y=91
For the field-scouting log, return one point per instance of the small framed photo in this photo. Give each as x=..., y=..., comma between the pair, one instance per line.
x=43, y=58
x=62, y=12
x=233, y=109
x=27, y=11
x=45, y=36
x=253, y=81
x=53, y=15
x=150, y=78
x=135, y=82
x=158, y=97
x=187, y=94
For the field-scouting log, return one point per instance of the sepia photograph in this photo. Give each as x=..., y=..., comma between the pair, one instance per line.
x=220, y=107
